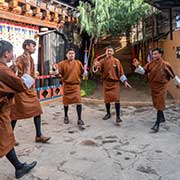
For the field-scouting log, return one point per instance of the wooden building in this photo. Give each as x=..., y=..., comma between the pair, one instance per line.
x=161, y=29
x=24, y=19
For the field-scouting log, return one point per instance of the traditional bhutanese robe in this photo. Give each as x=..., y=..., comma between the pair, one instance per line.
x=26, y=104
x=112, y=72
x=9, y=85
x=159, y=73
x=70, y=72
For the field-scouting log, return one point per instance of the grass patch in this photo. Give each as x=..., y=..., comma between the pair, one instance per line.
x=87, y=88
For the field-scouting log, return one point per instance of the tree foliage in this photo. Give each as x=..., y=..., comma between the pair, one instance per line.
x=111, y=16
x=94, y=20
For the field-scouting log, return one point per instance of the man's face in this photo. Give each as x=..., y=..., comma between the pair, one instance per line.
x=8, y=55
x=109, y=52
x=31, y=48
x=70, y=55
x=156, y=55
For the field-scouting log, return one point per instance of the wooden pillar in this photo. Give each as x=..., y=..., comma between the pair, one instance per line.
x=41, y=59
x=170, y=24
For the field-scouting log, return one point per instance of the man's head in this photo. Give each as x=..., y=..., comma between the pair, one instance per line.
x=70, y=54
x=109, y=51
x=29, y=46
x=6, y=51
x=157, y=53
x=61, y=24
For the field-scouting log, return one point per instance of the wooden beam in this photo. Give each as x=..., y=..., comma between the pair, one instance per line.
x=27, y=20
x=4, y=5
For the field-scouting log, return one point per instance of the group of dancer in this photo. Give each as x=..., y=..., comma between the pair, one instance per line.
x=18, y=100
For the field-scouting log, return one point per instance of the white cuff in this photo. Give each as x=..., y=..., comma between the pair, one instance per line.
x=177, y=81
x=123, y=78
x=140, y=70
x=28, y=80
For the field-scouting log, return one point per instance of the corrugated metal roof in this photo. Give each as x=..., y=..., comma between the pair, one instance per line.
x=164, y=4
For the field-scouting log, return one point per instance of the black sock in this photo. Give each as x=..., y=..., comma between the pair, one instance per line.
x=160, y=114
x=12, y=157
x=37, y=123
x=117, y=107
x=79, y=110
x=108, y=108
x=158, y=119
x=13, y=123
x=66, y=111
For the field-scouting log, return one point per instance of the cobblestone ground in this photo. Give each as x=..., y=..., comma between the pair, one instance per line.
x=103, y=151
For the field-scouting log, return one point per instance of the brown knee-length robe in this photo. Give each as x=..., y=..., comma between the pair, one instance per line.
x=9, y=85
x=70, y=72
x=26, y=103
x=111, y=70
x=159, y=73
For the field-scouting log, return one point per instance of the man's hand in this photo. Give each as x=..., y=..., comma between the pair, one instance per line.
x=135, y=62
x=54, y=66
x=14, y=65
x=36, y=73
x=14, y=68
x=96, y=62
x=127, y=85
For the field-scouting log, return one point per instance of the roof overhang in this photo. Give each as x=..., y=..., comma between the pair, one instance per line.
x=164, y=4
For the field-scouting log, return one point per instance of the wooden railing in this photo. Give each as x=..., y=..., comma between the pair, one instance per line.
x=51, y=91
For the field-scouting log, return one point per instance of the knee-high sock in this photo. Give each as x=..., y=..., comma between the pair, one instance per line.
x=160, y=114
x=158, y=119
x=12, y=157
x=37, y=123
x=117, y=107
x=108, y=106
x=13, y=124
x=79, y=110
x=66, y=111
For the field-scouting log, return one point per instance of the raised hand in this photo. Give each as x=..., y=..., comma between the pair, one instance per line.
x=14, y=65
x=135, y=62
x=96, y=61
x=54, y=66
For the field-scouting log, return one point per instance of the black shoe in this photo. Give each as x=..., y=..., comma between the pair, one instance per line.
x=155, y=128
x=106, y=117
x=118, y=120
x=25, y=169
x=66, y=120
x=80, y=122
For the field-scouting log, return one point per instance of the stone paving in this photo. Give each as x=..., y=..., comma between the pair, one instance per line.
x=103, y=151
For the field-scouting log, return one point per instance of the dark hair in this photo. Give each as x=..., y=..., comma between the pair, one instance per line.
x=70, y=49
x=160, y=50
x=5, y=46
x=109, y=47
x=28, y=42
